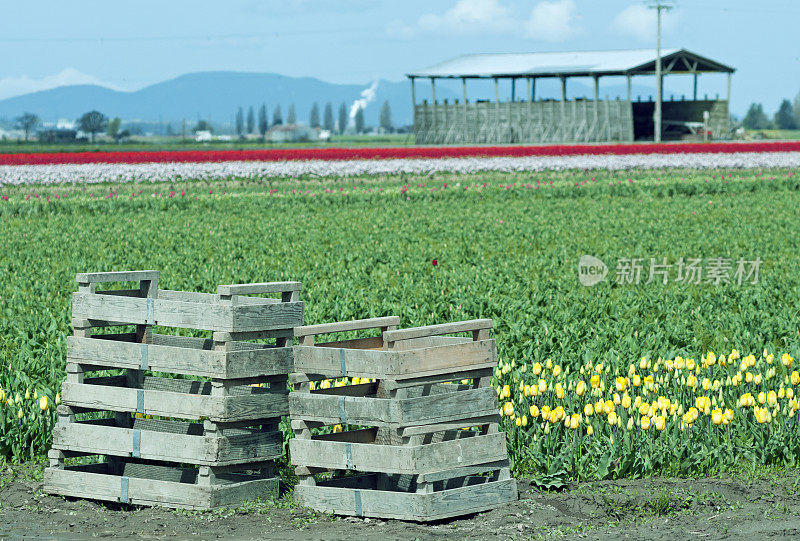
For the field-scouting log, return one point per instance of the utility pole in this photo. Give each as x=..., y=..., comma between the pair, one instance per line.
x=659, y=5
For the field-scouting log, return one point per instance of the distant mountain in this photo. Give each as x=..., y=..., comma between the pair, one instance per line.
x=213, y=96
x=216, y=96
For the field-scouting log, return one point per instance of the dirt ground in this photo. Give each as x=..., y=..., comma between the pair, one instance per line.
x=716, y=508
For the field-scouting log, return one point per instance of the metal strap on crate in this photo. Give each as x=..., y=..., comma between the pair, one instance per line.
x=140, y=401
x=357, y=497
x=150, y=318
x=144, y=363
x=342, y=363
x=342, y=415
x=348, y=451
x=137, y=443
x=123, y=490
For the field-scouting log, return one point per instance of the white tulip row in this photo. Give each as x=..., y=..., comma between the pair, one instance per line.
x=172, y=172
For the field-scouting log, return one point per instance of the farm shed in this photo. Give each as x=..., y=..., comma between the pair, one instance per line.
x=528, y=120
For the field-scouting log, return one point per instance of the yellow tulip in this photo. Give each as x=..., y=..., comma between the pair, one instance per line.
x=660, y=422
x=526, y=390
x=612, y=418
x=795, y=378
x=556, y=371
x=626, y=401
x=772, y=398
x=542, y=386
x=559, y=391
x=545, y=412
x=630, y=423
x=789, y=393
x=644, y=422
x=43, y=405
x=518, y=421
x=20, y=414
x=581, y=388
x=524, y=420
x=534, y=411
x=536, y=368
x=588, y=410
x=762, y=397
x=508, y=409
x=2, y=396
x=716, y=416
x=594, y=381
x=621, y=384
x=637, y=380
x=589, y=430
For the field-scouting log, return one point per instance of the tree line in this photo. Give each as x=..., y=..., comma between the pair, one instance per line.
x=246, y=124
x=787, y=117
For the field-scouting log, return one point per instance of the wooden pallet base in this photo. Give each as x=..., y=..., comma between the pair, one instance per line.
x=151, y=485
x=359, y=496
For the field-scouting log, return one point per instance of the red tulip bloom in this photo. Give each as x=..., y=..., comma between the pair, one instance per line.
x=435, y=262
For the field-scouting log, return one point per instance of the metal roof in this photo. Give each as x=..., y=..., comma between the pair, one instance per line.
x=572, y=64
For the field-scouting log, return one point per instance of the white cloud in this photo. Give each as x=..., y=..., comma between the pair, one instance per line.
x=470, y=15
x=554, y=20
x=16, y=86
x=638, y=21
x=400, y=30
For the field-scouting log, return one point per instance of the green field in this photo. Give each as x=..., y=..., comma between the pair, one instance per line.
x=155, y=143
x=504, y=252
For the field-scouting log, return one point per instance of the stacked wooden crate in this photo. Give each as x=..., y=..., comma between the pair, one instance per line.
x=203, y=439
x=420, y=438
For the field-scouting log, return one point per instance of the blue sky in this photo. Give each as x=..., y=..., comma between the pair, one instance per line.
x=128, y=45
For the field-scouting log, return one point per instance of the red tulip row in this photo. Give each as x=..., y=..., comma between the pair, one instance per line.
x=333, y=154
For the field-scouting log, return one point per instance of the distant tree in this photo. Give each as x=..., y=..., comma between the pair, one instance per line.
x=313, y=117
x=251, y=120
x=203, y=125
x=277, y=117
x=342, y=118
x=112, y=128
x=359, y=120
x=27, y=122
x=755, y=119
x=784, y=118
x=291, y=116
x=263, y=123
x=796, y=107
x=92, y=122
x=386, y=116
x=327, y=122
x=239, y=122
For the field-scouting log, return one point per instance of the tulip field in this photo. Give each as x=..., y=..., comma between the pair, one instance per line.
x=620, y=379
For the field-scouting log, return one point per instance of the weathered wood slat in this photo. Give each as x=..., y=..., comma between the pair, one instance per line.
x=417, y=459
x=97, y=483
x=174, y=442
x=255, y=315
x=182, y=355
x=365, y=501
x=435, y=330
x=258, y=288
x=116, y=276
x=186, y=399
x=435, y=408
x=343, y=326
x=390, y=364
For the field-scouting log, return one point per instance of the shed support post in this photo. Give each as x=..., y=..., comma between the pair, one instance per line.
x=563, y=88
x=694, y=86
x=413, y=93
x=629, y=88
x=513, y=89
x=433, y=90
x=729, y=91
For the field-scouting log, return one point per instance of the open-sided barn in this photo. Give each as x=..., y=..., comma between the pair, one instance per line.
x=528, y=120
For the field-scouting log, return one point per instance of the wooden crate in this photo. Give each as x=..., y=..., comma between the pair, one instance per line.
x=431, y=449
x=369, y=496
x=143, y=483
x=217, y=416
